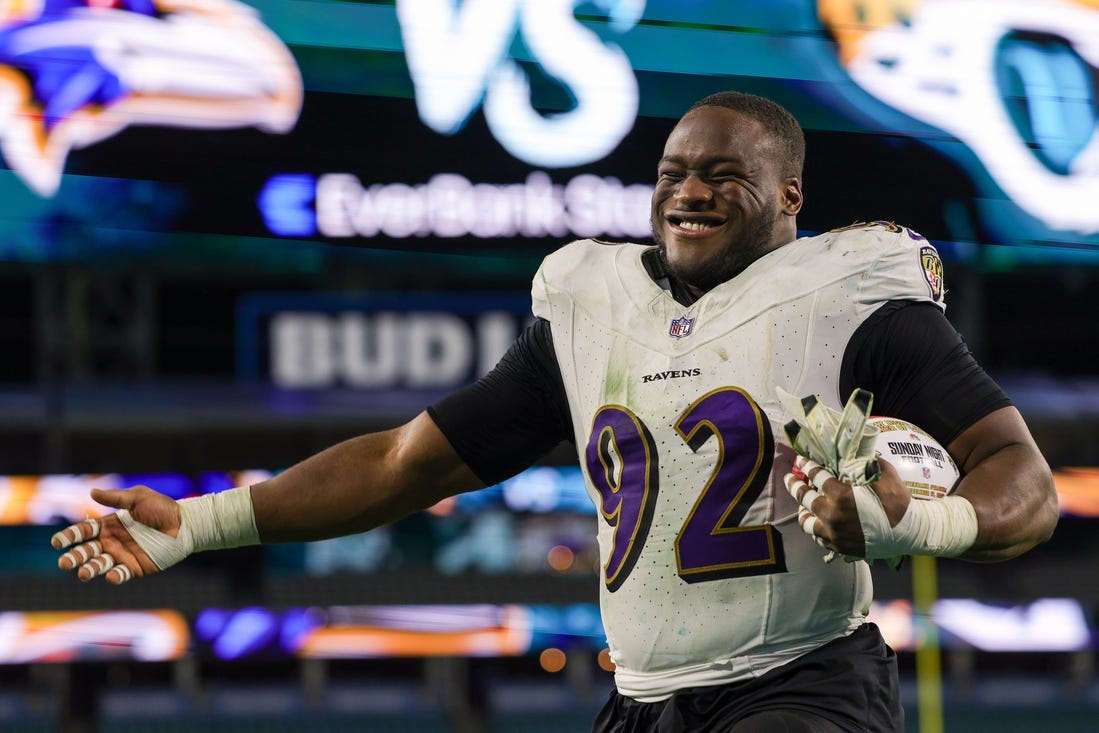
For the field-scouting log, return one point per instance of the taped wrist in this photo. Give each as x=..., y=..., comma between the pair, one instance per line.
x=207, y=522
x=222, y=520
x=943, y=527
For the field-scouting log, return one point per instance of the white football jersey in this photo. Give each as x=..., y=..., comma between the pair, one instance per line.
x=707, y=577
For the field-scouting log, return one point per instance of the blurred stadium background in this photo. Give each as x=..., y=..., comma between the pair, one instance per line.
x=233, y=234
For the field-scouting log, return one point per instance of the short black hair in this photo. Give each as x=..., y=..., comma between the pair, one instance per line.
x=783, y=128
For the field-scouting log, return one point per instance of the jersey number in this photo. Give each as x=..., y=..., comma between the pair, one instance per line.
x=623, y=464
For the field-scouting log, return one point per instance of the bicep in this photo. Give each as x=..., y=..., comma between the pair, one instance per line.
x=1001, y=429
x=431, y=464
x=1008, y=482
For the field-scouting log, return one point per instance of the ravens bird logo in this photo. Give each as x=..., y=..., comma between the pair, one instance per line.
x=74, y=72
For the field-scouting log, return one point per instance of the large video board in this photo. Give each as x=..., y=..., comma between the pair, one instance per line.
x=222, y=131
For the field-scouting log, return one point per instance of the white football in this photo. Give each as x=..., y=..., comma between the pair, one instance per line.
x=924, y=465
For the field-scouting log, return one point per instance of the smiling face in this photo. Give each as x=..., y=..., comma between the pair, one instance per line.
x=723, y=197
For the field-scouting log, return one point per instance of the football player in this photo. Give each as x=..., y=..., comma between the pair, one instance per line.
x=666, y=366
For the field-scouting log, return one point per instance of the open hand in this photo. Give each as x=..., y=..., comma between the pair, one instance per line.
x=104, y=546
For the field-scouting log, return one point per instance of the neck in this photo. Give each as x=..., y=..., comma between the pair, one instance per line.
x=657, y=267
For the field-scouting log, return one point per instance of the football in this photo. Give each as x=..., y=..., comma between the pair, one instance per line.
x=924, y=465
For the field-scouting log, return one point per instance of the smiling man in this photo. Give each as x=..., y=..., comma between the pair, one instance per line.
x=716, y=182
x=666, y=366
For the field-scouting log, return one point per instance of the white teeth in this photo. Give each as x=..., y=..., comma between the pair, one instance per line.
x=694, y=226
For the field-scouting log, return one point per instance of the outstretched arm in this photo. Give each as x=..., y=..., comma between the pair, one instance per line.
x=351, y=487
x=361, y=483
x=501, y=424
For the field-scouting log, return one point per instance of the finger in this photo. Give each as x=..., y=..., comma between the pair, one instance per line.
x=76, y=533
x=811, y=525
x=888, y=471
x=815, y=472
x=118, y=575
x=803, y=494
x=95, y=567
x=117, y=498
x=80, y=554
x=819, y=477
x=808, y=497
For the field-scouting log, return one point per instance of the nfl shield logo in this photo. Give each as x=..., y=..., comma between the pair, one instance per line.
x=681, y=327
x=926, y=472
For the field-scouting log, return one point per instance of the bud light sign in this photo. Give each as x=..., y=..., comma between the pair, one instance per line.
x=375, y=342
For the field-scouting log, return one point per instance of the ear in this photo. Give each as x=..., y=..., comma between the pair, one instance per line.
x=791, y=196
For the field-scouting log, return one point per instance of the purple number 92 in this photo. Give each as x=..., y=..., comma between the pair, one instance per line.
x=623, y=464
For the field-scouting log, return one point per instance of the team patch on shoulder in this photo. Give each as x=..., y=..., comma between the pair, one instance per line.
x=932, y=267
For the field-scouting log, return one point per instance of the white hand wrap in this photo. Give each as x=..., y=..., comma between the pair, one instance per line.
x=207, y=522
x=944, y=527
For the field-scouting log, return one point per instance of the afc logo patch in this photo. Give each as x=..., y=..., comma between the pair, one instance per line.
x=932, y=270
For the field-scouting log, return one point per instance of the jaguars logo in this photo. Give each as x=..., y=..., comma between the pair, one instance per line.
x=1011, y=79
x=850, y=21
